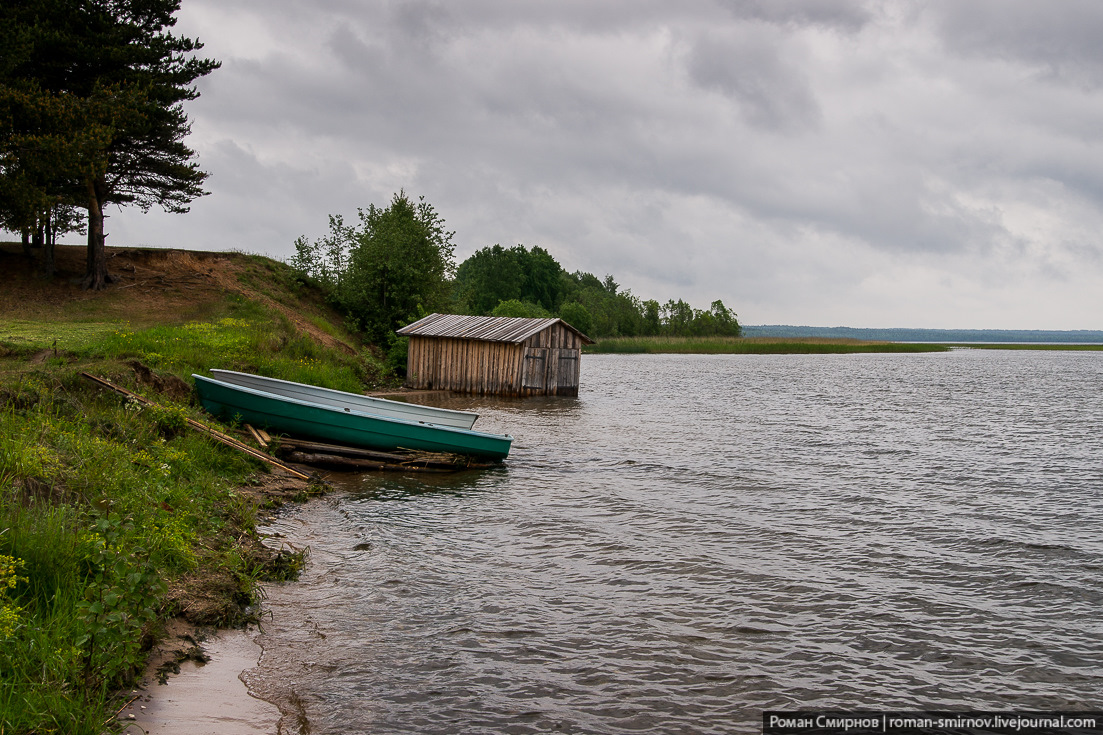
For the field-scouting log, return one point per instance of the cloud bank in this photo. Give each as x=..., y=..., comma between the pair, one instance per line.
x=926, y=164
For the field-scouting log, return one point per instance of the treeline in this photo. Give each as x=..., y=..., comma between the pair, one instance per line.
x=398, y=264
x=519, y=281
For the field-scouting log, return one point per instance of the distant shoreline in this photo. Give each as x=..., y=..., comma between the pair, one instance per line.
x=937, y=336
x=752, y=346
x=803, y=346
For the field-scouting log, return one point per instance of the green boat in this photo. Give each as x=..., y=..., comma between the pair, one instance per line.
x=342, y=426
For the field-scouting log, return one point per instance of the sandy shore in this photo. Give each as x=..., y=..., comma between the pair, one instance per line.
x=203, y=699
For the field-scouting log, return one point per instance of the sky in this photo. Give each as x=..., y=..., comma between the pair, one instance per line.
x=901, y=163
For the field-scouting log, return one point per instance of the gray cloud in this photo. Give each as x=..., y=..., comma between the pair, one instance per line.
x=840, y=14
x=1061, y=39
x=929, y=164
x=751, y=68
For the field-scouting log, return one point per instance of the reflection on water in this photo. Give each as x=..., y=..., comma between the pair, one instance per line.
x=696, y=539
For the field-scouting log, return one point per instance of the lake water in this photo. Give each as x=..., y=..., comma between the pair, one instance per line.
x=695, y=539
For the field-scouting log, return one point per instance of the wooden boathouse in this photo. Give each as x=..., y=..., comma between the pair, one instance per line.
x=488, y=355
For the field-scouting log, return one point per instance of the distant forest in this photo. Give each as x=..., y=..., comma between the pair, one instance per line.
x=519, y=281
x=1034, y=336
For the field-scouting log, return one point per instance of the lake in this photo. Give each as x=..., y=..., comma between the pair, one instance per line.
x=695, y=539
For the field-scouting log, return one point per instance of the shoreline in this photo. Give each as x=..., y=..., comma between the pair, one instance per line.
x=203, y=697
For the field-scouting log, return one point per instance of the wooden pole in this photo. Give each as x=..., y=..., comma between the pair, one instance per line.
x=203, y=428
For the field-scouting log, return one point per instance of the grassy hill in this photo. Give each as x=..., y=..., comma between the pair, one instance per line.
x=114, y=518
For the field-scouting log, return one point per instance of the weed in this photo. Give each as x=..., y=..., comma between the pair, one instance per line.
x=9, y=578
x=121, y=599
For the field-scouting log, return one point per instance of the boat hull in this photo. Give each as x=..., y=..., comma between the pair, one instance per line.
x=342, y=400
x=343, y=426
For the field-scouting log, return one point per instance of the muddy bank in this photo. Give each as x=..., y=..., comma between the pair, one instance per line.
x=204, y=698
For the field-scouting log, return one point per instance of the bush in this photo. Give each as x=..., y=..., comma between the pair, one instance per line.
x=515, y=308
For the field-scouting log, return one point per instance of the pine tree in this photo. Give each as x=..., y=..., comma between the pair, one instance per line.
x=98, y=86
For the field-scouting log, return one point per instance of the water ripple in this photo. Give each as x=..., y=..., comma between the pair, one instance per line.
x=696, y=539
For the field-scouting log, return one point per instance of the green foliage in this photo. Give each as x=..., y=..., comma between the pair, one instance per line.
x=578, y=316
x=399, y=268
x=393, y=269
x=516, y=308
x=9, y=578
x=389, y=271
x=91, y=104
x=679, y=319
x=104, y=501
x=494, y=274
x=522, y=282
x=326, y=260
x=121, y=598
x=490, y=276
x=261, y=344
x=99, y=507
x=397, y=355
x=171, y=421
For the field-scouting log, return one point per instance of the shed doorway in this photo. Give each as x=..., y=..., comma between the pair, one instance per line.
x=550, y=369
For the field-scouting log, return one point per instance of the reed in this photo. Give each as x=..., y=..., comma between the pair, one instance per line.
x=751, y=346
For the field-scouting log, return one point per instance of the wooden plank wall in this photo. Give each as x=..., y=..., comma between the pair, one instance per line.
x=481, y=367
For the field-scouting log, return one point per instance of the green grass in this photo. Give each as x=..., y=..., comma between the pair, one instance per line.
x=105, y=506
x=258, y=345
x=39, y=335
x=103, y=503
x=252, y=339
x=750, y=346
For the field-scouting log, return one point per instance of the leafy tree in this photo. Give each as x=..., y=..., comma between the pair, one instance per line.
x=677, y=318
x=541, y=283
x=577, y=316
x=398, y=267
x=495, y=274
x=522, y=282
x=514, y=307
x=651, y=321
x=490, y=276
x=325, y=260
x=99, y=86
x=724, y=320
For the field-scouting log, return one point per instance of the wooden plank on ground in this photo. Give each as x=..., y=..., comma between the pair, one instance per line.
x=203, y=428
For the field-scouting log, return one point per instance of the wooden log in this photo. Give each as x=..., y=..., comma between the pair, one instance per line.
x=287, y=444
x=405, y=457
x=256, y=436
x=334, y=461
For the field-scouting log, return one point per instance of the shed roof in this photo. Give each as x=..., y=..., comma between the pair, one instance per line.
x=486, y=328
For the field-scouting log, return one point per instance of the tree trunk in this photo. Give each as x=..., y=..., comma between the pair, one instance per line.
x=96, y=277
x=48, y=245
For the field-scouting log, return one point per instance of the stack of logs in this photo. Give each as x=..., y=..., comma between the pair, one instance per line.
x=338, y=457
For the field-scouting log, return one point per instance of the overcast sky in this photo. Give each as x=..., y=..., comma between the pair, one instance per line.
x=934, y=163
